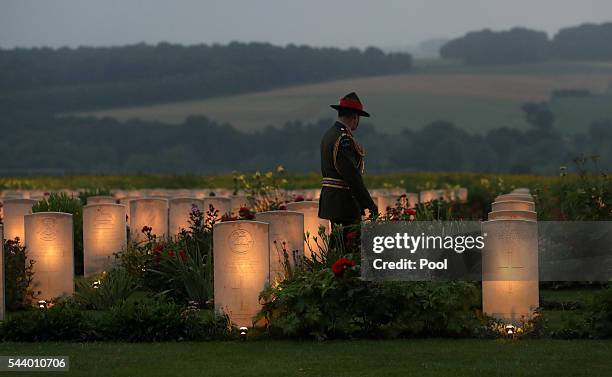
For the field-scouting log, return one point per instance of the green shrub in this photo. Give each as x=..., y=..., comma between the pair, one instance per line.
x=60, y=202
x=322, y=305
x=110, y=288
x=62, y=322
x=600, y=318
x=18, y=274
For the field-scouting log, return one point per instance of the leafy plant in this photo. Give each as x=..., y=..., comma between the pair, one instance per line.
x=18, y=275
x=84, y=194
x=106, y=290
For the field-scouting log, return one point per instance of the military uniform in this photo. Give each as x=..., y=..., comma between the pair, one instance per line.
x=344, y=196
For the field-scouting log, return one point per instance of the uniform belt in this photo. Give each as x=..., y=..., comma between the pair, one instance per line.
x=335, y=183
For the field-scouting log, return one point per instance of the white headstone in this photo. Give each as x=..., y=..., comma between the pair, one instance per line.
x=513, y=215
x=14, y=211
x=104, y=233
x=180, y=209
x=148, y=212
x=286, y=235
x=222, y=205
x=241, y=268
x=239, y=201
x=312, y=222
x=510, y=269
x=513, y=205
x=101, y=200
x=426, y=196
x=521, y=197
x=49, y=242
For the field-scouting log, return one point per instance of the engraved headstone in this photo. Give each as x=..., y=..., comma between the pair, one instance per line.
x=104, y=233
x=510, y=269
x=101, y=200
x=148, y=212
x=220, y=204
x=241, y=268
x=312, y=222
x=180, y=210
x=49, y=242
x=14, y=212
x=286, y=236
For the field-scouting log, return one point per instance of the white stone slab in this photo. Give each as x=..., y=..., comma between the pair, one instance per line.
x=180, y=210
x=104, y=233
x=241, y=268
x=286, y=235
x=312, y=222
x=14, y=212
x=148, y=212
x=49, y=242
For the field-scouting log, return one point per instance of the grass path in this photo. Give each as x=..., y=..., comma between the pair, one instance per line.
x=430, y=357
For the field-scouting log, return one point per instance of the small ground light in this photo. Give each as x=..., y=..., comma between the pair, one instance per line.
x=510, y=330
x=42, y=304
x=96, y=284
x=243, y=332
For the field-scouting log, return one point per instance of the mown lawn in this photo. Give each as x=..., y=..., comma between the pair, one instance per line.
x=430, y=357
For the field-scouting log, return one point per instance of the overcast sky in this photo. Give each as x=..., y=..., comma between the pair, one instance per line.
x=339, y=23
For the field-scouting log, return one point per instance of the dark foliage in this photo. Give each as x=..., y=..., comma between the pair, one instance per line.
x=519, y=45
x=86, y=77
x=201, y=146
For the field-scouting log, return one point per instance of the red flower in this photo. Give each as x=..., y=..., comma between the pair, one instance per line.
x=170, y=253
x=182, y=254
x=351, y=235
x=342, y=265
x=409, y=211
x=146, y=229
x=299, y=198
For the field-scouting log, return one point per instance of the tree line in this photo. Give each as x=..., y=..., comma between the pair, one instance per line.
x=68, y=79
x=521, y=45
x=41, y=142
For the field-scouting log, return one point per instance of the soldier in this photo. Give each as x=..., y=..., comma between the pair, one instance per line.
x=344, y=196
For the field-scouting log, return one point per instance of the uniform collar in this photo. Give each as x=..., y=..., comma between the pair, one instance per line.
x=344, y=127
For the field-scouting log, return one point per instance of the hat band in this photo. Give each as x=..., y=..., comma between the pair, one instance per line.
x=351, y=103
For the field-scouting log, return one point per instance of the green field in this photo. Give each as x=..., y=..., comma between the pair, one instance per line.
x=474, y=98
x=428, y=357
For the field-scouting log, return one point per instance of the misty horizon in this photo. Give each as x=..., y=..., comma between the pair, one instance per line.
x=394, y=25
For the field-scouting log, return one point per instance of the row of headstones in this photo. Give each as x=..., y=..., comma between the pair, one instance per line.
x=49, y=237
x=450, y=194
x=49, y=240
x=510, y=281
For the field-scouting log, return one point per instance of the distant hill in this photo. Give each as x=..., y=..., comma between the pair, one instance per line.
x=88, y=78
x=521, y=45
x=475, y=102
